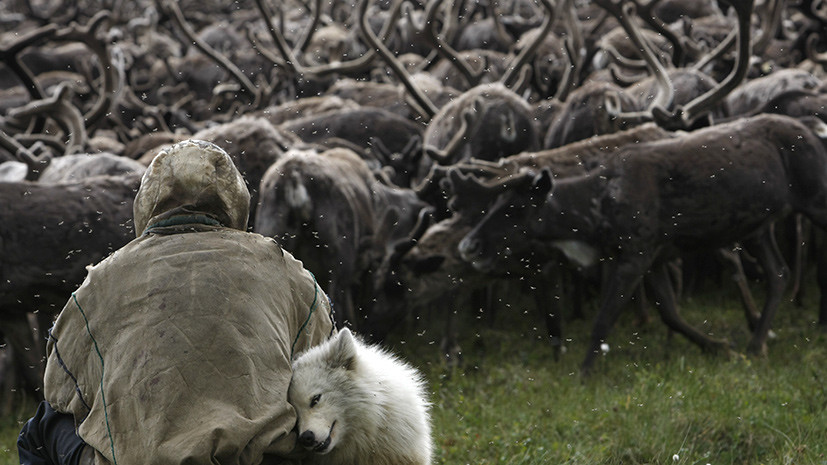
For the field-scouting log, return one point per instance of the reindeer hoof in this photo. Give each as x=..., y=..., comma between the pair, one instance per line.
x=558, y=347
x=757, y=349
x=719, y=347
x=753, y=321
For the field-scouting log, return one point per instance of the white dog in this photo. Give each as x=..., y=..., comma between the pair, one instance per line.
x=358, y=404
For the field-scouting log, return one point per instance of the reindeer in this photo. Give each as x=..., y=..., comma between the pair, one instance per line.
x=49, y=233
x=428, y=265
x=752, y=95
x=330, y=210
x=253, y=144
x=706, y=189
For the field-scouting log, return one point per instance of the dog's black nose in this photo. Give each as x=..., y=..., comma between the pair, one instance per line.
x=307, y=439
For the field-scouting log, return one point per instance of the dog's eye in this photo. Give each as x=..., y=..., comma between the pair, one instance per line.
x=315, y=400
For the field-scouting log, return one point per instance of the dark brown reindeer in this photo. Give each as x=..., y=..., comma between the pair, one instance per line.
x=330, y=209
x=702, y=190
x=49, y=234
x=428, y=268
x=571, y=160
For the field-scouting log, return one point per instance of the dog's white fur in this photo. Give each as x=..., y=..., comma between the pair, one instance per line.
x=357, y=403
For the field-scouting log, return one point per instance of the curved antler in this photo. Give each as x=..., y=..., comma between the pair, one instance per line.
x=574, y=46
x=172, y=7
x=59, y=108
x=683, y=117
x=357, y=65
x=624, y=14
x=645, y=11
x=513, y=69
x=770, y=21
x=421, y=99
x=9, y=56
x=717, y=52
x=812, y=54
x=35, y=163
x=446, y=156
x=112, y=71
x=307, y=36
x=445, y=49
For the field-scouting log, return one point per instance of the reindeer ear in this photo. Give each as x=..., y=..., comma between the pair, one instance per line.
x=542, y=183
x=344, y=351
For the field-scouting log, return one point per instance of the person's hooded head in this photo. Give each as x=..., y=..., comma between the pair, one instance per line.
x=194, y=180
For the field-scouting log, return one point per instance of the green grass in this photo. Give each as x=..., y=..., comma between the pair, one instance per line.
x=10, y=427
x=653, y=398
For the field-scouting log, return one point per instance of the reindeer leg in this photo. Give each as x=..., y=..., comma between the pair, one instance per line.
x=740, y=278
x=821, y=276
x=624, y=276
x=776, y=274
x=18, y=334
x=449, y=345
x=349, y=303
x=547, y=293
x=666, y=304
x=342, y=298
x=577, y=295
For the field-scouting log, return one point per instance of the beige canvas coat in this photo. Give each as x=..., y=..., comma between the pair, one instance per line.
x=177, y=348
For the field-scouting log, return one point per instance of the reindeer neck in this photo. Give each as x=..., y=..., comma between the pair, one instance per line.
x=571, y=209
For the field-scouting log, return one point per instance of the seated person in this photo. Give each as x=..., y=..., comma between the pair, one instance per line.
x=177, y=348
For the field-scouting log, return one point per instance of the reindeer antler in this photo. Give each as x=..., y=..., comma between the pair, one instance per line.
x=812, y=54
x=421, y=99
x=311, y=28
x=645, y=12
x=59, y=108
x=663, y=99
x=684, y=116
x=573, y=45
x=9, y=56
x=112, y=73
x=172, y=7
x=357, y=65
x=527, y=52
x=718, y=51
x=446, y=156
x=445, y=49
x=21, y=153
x=770, y=21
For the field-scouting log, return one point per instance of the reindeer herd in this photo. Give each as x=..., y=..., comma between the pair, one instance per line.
x=418, y=153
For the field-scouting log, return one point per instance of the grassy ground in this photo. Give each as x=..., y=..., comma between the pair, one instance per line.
x=654, y=399
x=9, y=428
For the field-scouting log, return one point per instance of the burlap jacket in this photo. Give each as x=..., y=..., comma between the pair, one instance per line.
x=177, y=348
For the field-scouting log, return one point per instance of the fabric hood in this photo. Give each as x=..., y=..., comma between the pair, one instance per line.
x=192, y=177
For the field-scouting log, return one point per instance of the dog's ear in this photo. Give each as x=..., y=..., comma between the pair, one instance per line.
x=344, y=351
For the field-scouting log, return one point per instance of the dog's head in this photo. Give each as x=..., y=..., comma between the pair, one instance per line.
x=320, y=391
